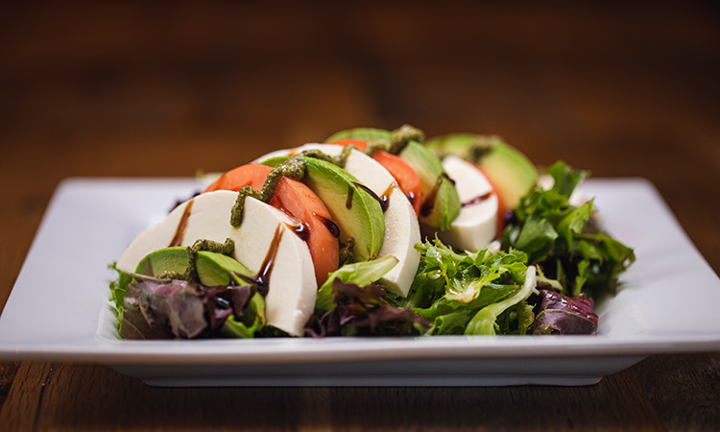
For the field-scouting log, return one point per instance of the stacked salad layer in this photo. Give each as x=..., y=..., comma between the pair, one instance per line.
x=374, y=232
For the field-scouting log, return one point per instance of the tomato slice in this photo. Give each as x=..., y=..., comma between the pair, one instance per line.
x=403, y=173
x=298, y=200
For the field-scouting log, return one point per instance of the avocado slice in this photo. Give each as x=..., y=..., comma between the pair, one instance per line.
x=365, y=134
x=440, y=201
x=352, y=206
x=212, y=268
x=510, y=171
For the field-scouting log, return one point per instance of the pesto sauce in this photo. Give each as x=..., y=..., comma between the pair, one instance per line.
x=293, y=167
x=402, y=136
x=174, y=275
x=226, y=248
x=374, y=146
x=481, y=147
x=238, y=209
x=346, y=251
x=339, y=160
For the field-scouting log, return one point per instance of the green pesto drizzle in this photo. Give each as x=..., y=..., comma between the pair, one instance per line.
x=226, y=248
x=293, y=167
x=190, y=273
x=374, y=146
x=174, y=275
x=402, y=136
x=346, y=251
x=339, y=160
x=481, y=146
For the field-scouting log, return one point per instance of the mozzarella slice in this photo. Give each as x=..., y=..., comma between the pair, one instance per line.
x=476, y=226
x=291, y=288
x=402, y=230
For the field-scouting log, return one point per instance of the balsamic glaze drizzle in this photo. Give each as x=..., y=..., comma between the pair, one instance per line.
x=384, y=202
x=331, y=226
x=182, y=225
x=262, y=279
x=477, y=199
x=302, y=230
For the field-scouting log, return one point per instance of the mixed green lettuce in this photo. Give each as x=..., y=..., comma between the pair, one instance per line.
x=565, y=241
x=465, y=293
x=151, y=308
x=351, y=303
x=118, y=288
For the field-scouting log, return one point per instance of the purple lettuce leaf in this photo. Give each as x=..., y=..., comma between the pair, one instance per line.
x=362, y=311
x=179, y=309
x=559, y=314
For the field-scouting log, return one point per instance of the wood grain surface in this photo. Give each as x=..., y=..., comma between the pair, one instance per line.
x=159, y=89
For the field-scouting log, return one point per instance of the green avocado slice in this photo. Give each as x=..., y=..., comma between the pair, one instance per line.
x=510, y=171
x=352, y=206
x=365, y=134
x=213, y=268
x=440, y=201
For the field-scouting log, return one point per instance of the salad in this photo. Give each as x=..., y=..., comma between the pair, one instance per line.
x=374, y=232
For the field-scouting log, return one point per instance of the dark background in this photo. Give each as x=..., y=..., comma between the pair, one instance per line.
x=163, y=89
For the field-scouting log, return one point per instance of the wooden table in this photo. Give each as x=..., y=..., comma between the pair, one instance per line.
x=136, y=89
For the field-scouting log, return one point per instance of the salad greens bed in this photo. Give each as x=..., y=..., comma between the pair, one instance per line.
x=540, y=278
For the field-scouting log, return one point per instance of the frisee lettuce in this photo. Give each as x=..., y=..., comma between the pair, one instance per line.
x=564, y=240
x=453, y=289
x=483, y=323
x=118, y=288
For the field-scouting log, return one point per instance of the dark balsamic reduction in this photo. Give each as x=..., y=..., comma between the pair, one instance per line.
x=348, y=203
x=411, y=197
x=262, y=279
x=182, y=225
x=448, y=177
x=384, y=202
x=429, y=203
x=331, y=226
x=386, y=197
x=301, y=230
x=478, y=199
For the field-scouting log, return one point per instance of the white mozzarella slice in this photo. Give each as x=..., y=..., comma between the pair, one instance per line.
x=402, y=230
x=402, y=233
x=476, y=226
x=291, y=288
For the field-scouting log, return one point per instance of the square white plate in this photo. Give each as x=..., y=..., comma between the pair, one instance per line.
x=58, y=309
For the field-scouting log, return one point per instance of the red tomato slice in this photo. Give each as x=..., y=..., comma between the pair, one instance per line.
x=403, y=173
x=298, y=200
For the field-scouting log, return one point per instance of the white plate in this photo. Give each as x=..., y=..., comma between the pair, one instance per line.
x=58, y=308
